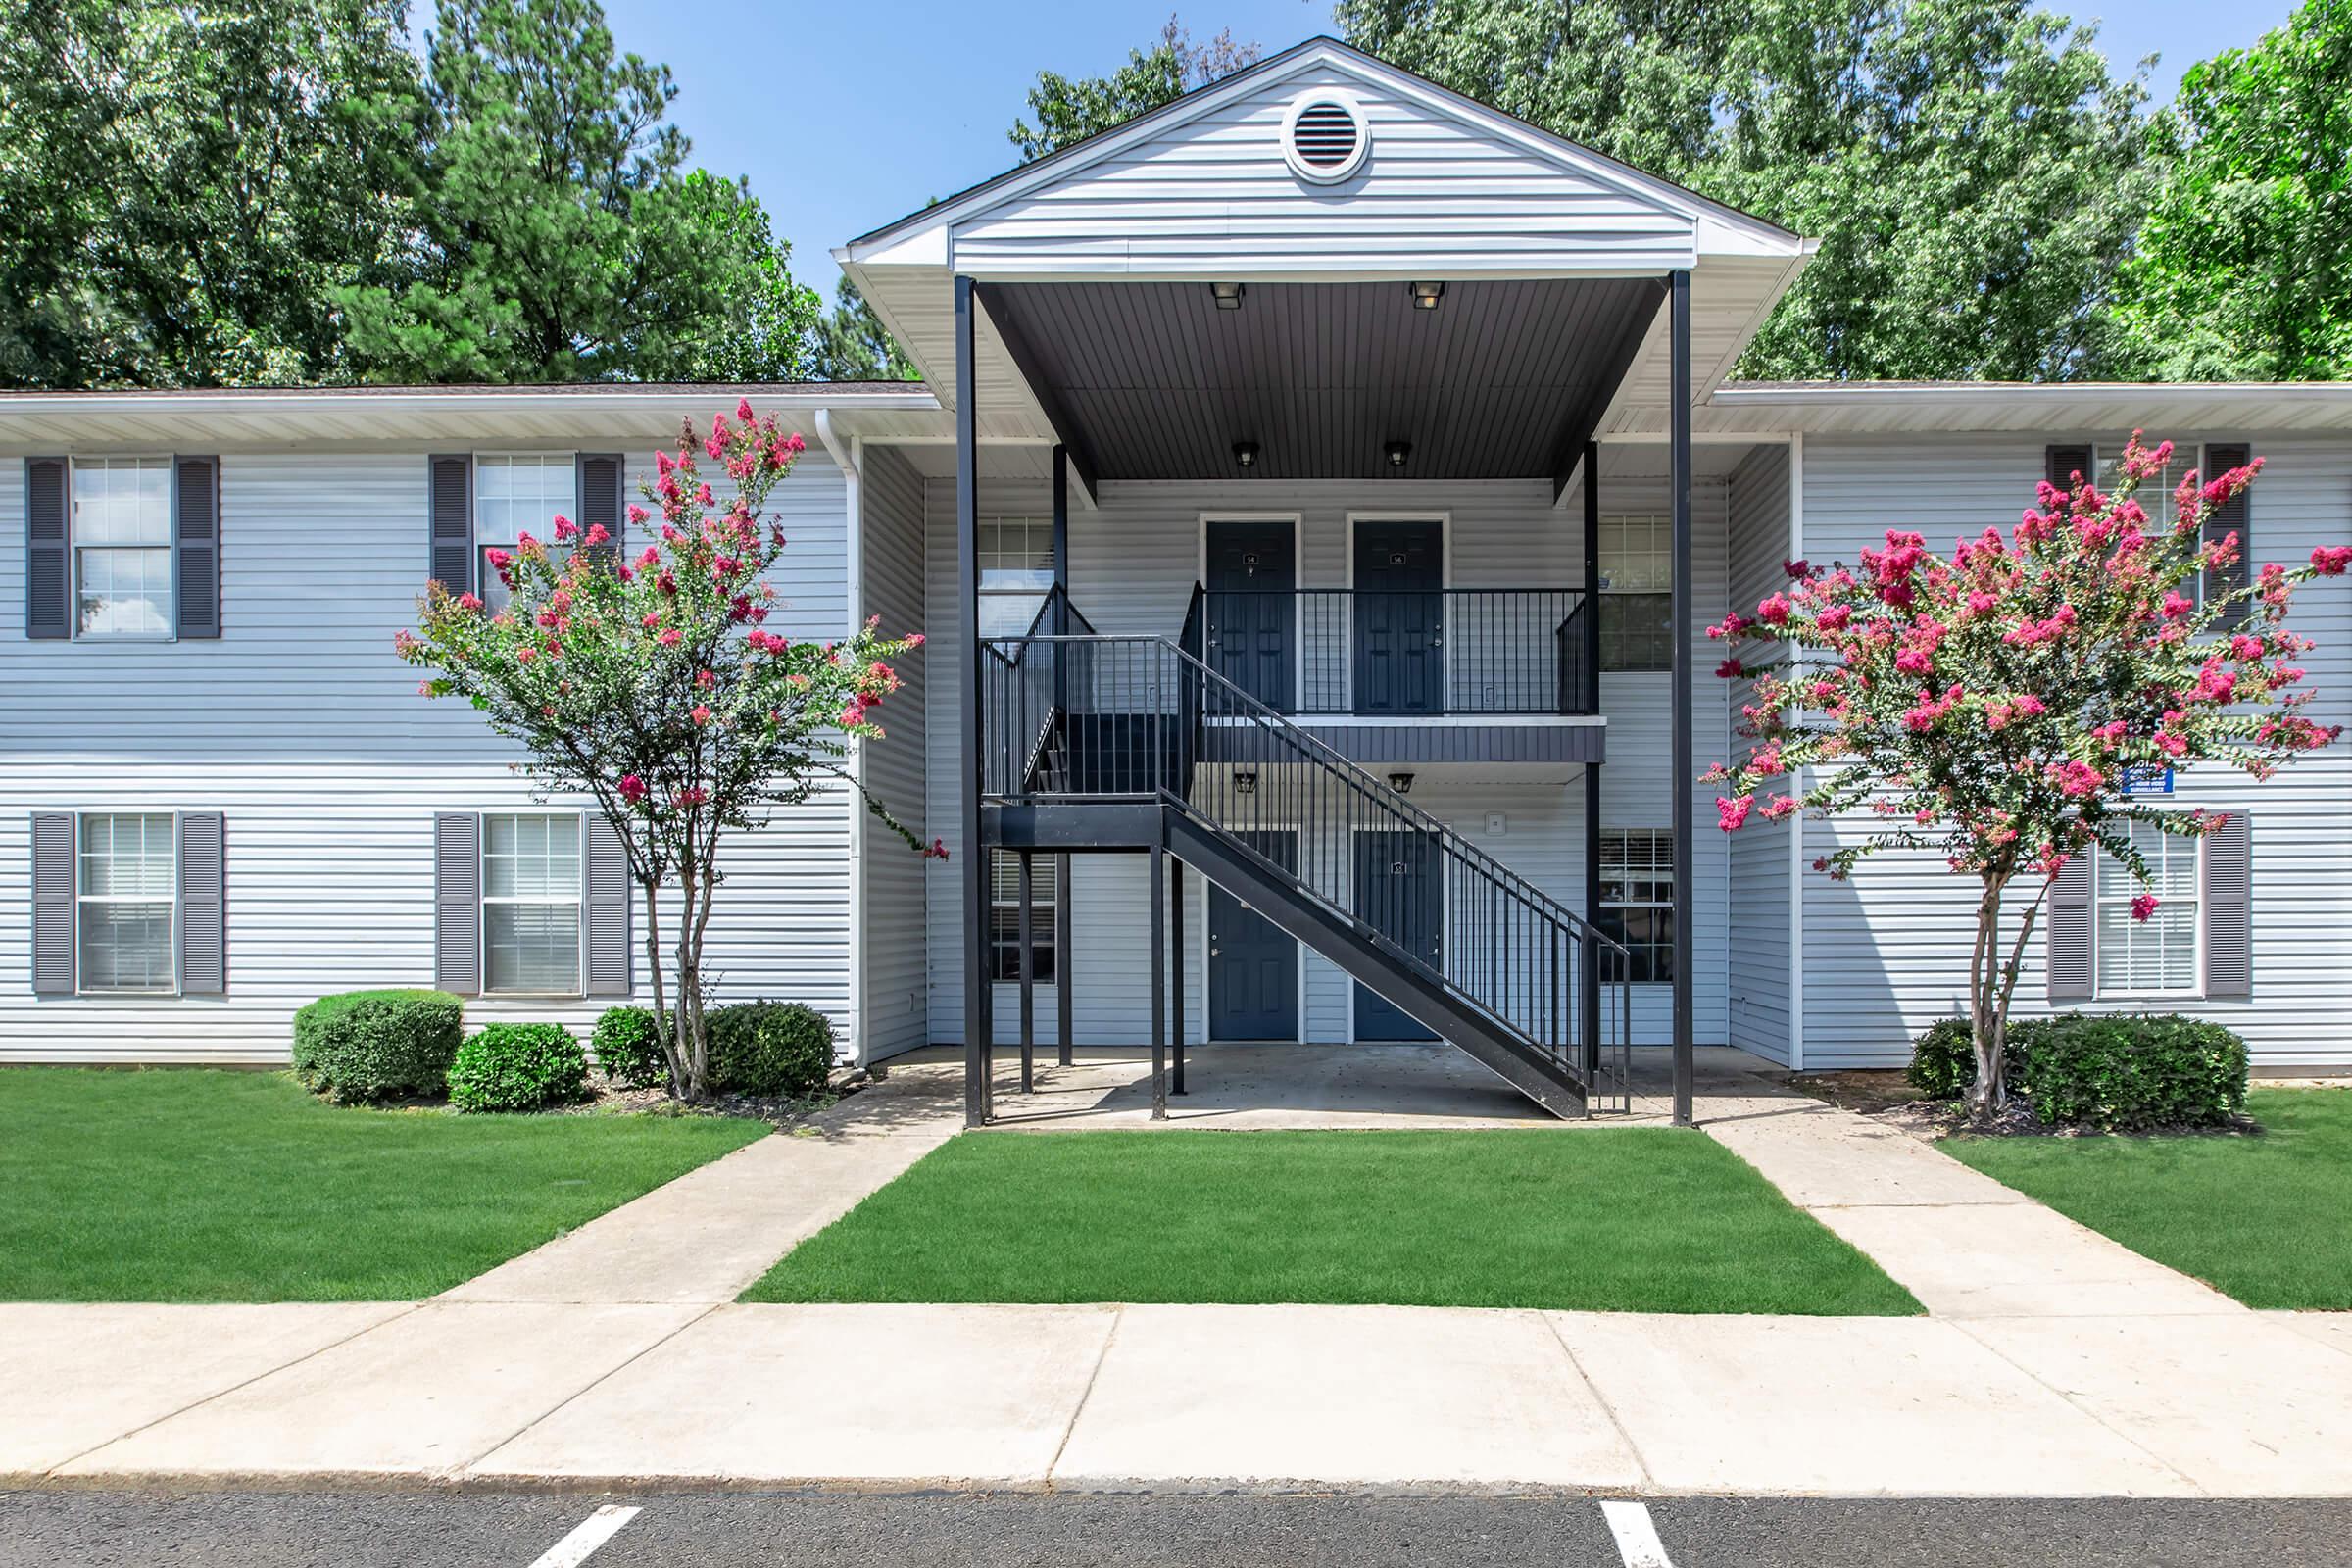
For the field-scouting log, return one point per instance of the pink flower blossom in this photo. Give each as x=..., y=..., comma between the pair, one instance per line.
x=637, y=513
x=1774, y=610
x=1731, y=813
x=2173, y=605
x=2076, y=778
x=702, y=713
x=937, y=850
x=1730, y=670
x=692, y=795
x=704, y=679
x=669, y=638
x=2331, y=561
x=632, y=788
x=2143, y=906
x=595, y=536
x=469, y=603
x=566, y=528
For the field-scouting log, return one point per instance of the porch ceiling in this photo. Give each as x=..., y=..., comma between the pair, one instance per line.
x=1149, y=380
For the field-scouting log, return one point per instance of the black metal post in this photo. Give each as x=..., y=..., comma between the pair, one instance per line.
x=1160, y=983
x=1176, y=963
x=1679, y=466
x=1589, y=958
x=1063, y=940
x=976, y=1065
x=1028, y=973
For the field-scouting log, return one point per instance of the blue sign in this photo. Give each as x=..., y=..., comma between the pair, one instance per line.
x=2148, y=778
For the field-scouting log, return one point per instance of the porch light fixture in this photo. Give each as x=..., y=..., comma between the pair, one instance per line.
x=1426, y=295
x=1245, y=783
x=1245, y=453
x=1396, y=452
x=1227, y=295
x=1401, y=783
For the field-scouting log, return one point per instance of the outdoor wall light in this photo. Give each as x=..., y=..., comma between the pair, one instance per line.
x=1245, y=453
x=1227, y=295
x=1398, y=452
x=1401, y=783
x=1426, y=295
x=1245, y=783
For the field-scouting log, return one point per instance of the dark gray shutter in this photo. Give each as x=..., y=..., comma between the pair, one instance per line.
x=196, y=537
x=457, y=903
x=53, y=903
x=203, y=938
x=2060, y=465
x=2235, y=515
x=607, y=909
x=2069, y=953
x=599, y=480
x=452, y=526
x=48, y=583
x=2230, y=909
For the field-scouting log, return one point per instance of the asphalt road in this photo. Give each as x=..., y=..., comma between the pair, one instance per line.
x=76, y=1529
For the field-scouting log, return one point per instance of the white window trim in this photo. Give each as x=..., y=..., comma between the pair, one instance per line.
x=171, y=902
x=2196, y=965
x=1600, y=592
x=73, y=548
x=1672, y=843
x=484, y=576
x=483, y=899
x=1040, y=896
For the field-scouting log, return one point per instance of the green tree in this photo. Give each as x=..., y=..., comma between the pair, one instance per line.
x=2244, y=267
x=1971, y=167
x=182, y=188
x=853, y=345
x=557, y=238
x=1069, y=110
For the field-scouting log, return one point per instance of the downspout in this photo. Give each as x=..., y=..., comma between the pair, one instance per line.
x=845, y=457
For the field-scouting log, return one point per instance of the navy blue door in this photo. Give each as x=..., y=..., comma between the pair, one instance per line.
x=1399, y=893
x=1253, y=578
x=1399, y=617
x=1252, y=968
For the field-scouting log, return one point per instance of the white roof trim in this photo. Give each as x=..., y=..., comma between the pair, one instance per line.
x=922, y=238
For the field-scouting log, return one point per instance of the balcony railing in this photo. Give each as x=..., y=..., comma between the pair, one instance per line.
x=1383, y=651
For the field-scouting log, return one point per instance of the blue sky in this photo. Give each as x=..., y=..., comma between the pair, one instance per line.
x=848, y=114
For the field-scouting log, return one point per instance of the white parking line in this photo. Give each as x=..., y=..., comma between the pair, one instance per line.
x=1637, y=1537
x=592, y=1533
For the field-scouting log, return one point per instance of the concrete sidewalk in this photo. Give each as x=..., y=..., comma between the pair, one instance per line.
x=2240, y=1404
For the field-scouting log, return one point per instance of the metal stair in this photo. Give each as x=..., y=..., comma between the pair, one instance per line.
x=1126, y=741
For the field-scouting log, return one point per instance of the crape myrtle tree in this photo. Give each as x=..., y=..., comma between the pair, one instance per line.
x=1986, y=704
x=654, y=685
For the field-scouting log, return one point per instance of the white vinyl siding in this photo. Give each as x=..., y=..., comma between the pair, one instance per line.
x=306, y=729
x=1437, y=196
x=893, y=977
x=120, y=535
x=1762, y=854
x=1887, y=951
x=2158, y=956
x=532, y=902
x=127, y=888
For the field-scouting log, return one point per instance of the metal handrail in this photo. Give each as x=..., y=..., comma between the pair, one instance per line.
x=1496, y=651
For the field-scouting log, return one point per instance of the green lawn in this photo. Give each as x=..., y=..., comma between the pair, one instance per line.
x=185, y=1185
x=1633, y=1220
x=2267, y=1219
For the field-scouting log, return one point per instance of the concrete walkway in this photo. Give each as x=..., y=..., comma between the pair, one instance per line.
x=707, y=1236
x=2245, y=1405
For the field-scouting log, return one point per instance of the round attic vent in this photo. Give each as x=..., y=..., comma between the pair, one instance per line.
x=1325, y=138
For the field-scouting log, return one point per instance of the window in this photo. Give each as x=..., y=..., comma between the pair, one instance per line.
x=2158, y=954
x=516, y=494
x=1016, y=568
x=532, y=902
x=1636, y=593
x=122, y=536
x=1637, y=898
x=127, y=888
x=1004, y=917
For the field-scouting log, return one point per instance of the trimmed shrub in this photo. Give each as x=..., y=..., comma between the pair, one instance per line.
x=628, y=1048
x=517, y=1066
x=1943, y=1058
x=366, y=1046
x=2122, y=1071
x=769, y=1048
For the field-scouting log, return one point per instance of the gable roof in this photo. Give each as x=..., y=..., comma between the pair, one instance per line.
x=1336, y=59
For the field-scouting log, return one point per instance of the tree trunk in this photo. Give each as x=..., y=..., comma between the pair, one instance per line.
x=1988, y=1010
